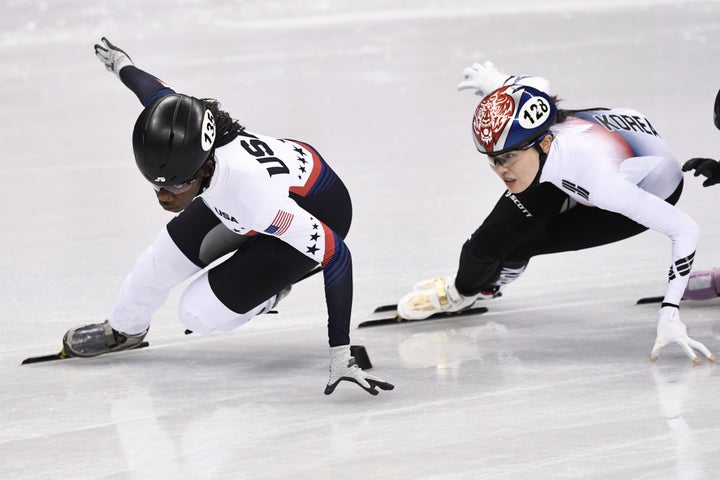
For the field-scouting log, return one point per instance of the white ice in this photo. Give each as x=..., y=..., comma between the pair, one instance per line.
x=553, y=383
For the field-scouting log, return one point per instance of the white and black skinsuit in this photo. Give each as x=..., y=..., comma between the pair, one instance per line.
x=608, y=176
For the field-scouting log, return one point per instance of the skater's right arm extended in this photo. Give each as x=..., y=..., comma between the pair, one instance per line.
x=485, y=77
x=146, y=87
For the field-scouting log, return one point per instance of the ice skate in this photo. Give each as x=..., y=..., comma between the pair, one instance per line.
x=98, y=338
x=280, y=295
x=436, y=295
x=430, y=283
x=277, y=299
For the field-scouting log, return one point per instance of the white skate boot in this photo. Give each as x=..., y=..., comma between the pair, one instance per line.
x=435, y=296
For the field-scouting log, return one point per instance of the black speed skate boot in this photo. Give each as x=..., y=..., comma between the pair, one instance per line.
x=98, y=338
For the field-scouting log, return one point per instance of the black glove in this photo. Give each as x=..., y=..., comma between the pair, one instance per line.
x=704, y=166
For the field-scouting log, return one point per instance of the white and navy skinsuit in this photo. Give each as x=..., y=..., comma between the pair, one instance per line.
x=275, y=205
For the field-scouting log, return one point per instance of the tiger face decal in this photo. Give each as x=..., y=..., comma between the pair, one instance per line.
x=491, y=117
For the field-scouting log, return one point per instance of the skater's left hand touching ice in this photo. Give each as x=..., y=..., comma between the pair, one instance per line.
x=343, y=367
x=671, y=330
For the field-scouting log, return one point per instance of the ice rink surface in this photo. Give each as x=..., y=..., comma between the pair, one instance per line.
x=553, y=383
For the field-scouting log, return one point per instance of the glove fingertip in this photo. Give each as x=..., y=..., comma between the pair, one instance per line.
x=381, y=384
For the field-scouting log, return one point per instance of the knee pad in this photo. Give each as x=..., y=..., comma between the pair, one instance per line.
x=201, y=311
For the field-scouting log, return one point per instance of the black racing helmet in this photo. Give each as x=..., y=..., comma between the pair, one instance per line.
x=172, y=139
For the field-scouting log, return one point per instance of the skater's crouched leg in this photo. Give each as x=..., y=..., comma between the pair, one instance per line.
x=202, y=312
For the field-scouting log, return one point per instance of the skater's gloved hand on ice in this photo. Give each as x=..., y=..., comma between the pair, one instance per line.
x=343, y=367
x=113, y=57
x=671, y=330
x=704, y=166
